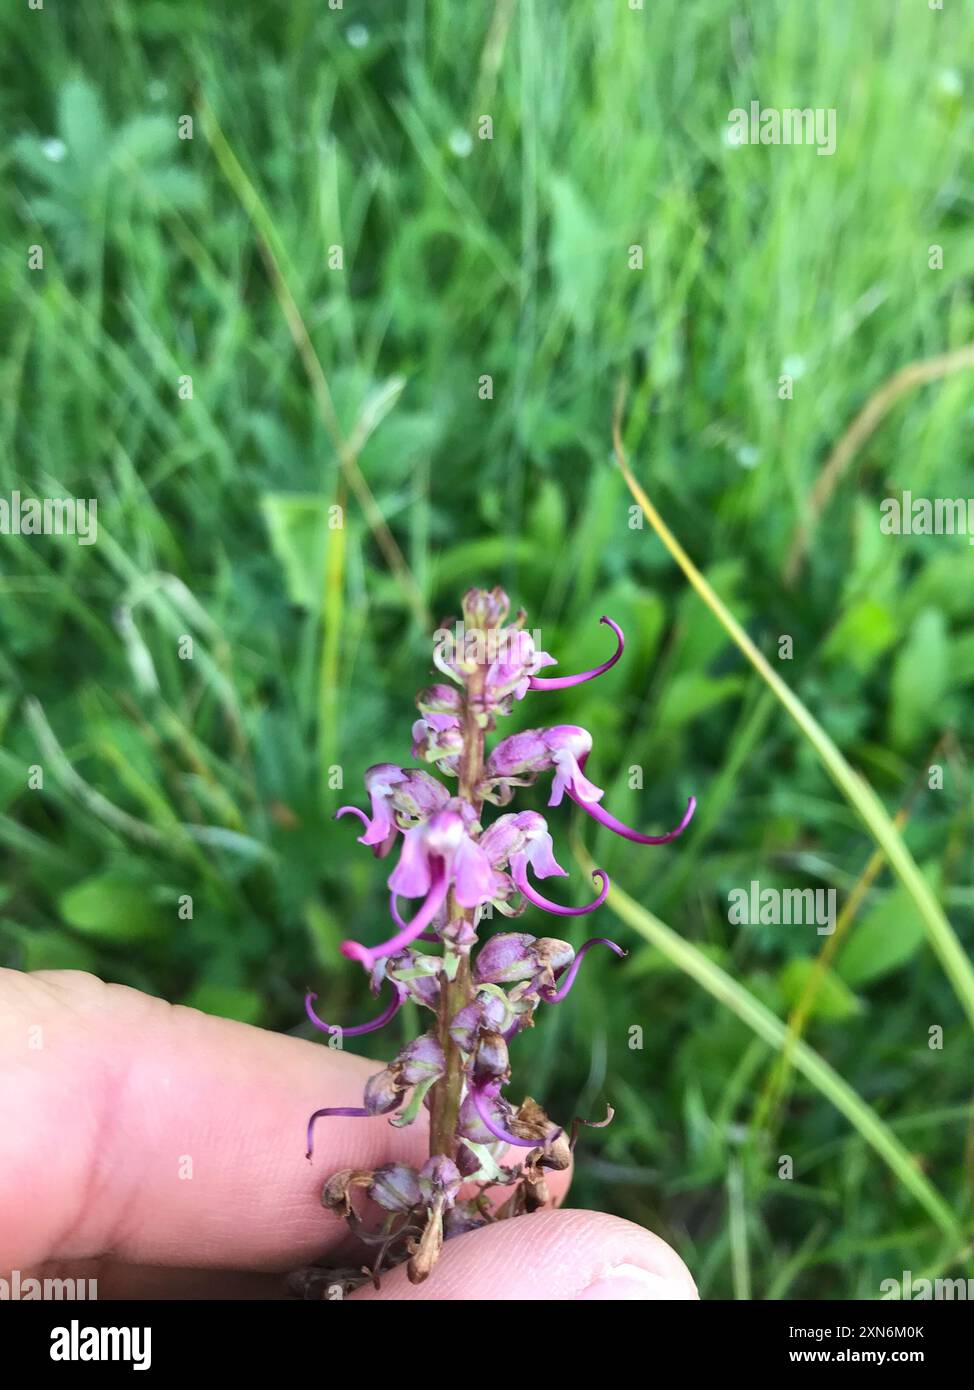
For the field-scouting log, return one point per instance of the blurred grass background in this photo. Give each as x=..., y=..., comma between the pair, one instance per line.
x=315, y=386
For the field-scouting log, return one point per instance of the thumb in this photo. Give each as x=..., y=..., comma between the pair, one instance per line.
x=552, y=1255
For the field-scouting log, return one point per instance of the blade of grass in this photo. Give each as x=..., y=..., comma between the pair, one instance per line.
x=726, y=990
x=272, y=256
x=769, y=1102
x=854, y=787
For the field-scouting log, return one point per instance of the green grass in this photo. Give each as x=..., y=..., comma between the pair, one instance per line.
x=314, y=387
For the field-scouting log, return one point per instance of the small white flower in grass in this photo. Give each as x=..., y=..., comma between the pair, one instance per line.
x=54, y=150
x=357, y=35
x=794, y=365
x=748, y=456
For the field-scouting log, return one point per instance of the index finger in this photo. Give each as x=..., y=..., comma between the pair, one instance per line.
x=168, y=1137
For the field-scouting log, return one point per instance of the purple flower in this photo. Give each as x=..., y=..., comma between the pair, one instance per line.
x=456, y=865
x=567, y=979
x=484, y=1100
x=471, y=1122
x=563, y=682
x=397, y=794
x=519, y=874
x=569, y=746
x=435, y=854
x=603, y=817
x=396, y=1187
x=514, y=956
x=399, y=994
x=512, y=672
x=438, y=738
x=381, y=829
x=440, y=699
x=440, y=1177
x=489, y=1009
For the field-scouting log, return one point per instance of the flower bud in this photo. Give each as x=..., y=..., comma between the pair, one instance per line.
x=463, y=1217
x=383, y=1092
x=504, y=958
x=396, y=1187
x=467, y=1161
x=438, y=738
x=421, y=1061
x=439, y=1177
x=336, y=1193
x=471, y=1126
x=521, y=755
x=485, y=608
x=418, y=795
x=440, y=699
x=490, y=1061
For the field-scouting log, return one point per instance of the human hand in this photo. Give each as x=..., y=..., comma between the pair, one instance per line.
x=161, y=1151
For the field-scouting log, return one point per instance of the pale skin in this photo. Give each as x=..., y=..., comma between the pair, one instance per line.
x=110, y=1099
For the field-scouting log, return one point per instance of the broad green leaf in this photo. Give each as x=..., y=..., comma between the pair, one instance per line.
x=577, y=253
x=886, y=938
x=298, y=526
x=919, y=680
x=861, y=635
x=833, y=999
x=111, y=909
x=81, y=122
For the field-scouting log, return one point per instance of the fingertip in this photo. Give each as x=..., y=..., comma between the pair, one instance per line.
x=550, y=1256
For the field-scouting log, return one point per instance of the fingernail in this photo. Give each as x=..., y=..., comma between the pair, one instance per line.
x=627, y=1282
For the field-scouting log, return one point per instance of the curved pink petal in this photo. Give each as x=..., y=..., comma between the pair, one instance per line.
x=540, y=854
x=379, y=836
x=520, y=875
x=565, y=983
x=563, y=682
x=395, y=915
x=353, y=811
x=570, y=778
x=603, y=817
x=480, y=1098
x=473, y=874
x=355, y=950
x=411, y=876
x=359, y=1028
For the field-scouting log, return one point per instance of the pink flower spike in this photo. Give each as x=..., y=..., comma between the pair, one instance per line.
x=354, y=950
x=568, y=979
x=359, y=1028
x=519, y=873
x=563, y=682
x=603, y=817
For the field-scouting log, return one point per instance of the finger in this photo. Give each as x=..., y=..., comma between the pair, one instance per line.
x=552, y=1255
x=168, y=1137
x=106, y=1279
